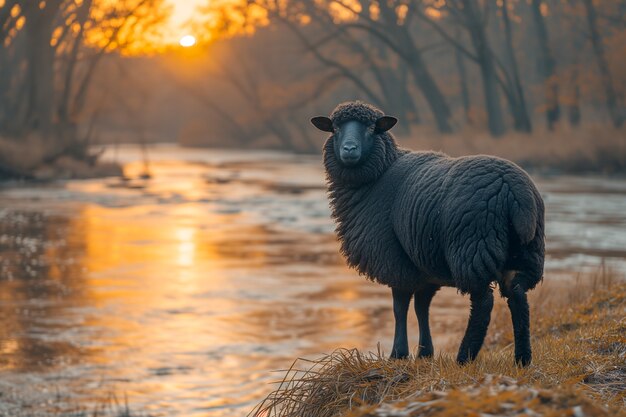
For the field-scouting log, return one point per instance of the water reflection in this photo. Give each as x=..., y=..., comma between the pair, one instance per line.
x=37, y=263
x=185, y=291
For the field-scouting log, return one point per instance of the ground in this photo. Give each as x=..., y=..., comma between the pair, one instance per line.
x=578, y=370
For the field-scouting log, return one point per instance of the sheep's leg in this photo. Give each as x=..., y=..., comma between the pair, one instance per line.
x=520, y=315
x=423, y=298
x=401, y=301
x=480, y=314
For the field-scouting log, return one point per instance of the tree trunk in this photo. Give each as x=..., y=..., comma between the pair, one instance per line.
x=573, y=108
x=421, y=75
x=607, y=81
x=435, y=99
x=492, y=96
x=465, y=96
x=484, y=54
x=63, y=112
x=394, y=92
x=547, y=66
x=393, y=83
x=411, y=111
x=521, y=118
x=40, y=58
x=13, y=88
x=6, y=78
x=427, y=85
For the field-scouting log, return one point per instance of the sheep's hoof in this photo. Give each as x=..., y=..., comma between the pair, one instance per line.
x=399, y=355
x=523, y=360
x=463, y=358
x=425, y=353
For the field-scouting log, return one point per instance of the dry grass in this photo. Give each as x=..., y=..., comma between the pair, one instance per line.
x=588, y=149
x=578, y=369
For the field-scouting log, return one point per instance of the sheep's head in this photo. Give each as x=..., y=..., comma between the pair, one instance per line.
x=353, y=140
x=355, y=127
x=360, y=148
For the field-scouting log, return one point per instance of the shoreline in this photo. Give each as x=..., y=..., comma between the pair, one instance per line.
x=577, y=369
x=578, y=158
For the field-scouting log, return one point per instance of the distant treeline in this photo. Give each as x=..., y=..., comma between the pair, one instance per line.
x=500, y=65
x=50, y=53
x=72, y=69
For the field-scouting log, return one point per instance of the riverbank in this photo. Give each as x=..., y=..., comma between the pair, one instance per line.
x=598, y=150
x=578, y=370
x=31, y=158
x=242, y=275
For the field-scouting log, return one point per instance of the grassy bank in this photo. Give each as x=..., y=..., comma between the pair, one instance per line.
x=578, y=369
x=593, y=149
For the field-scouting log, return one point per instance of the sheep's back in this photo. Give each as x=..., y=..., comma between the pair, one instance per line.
x=456, y=217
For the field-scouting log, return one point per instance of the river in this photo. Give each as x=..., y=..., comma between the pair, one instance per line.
x=182, y=293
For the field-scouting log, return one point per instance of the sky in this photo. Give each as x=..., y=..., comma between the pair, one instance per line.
x=183, y=11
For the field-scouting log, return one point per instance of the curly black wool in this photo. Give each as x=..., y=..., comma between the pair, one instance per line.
x=355, y=110
x=406, y=219
x=416, y=221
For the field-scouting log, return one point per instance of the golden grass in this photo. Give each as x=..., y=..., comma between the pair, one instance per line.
x=578, y=369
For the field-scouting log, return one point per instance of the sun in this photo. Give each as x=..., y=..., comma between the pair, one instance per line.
x=187, y=41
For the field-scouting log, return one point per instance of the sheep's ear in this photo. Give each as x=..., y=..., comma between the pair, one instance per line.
x=323, y=123
x=385, y=123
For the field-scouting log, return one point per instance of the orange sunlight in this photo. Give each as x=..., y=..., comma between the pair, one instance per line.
x=183, y=11
x=171, y=27
x=187, y=41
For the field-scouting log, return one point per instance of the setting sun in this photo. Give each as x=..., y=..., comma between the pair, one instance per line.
x=187, y=41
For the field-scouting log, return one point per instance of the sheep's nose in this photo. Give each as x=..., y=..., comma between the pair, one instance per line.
x=349, y=148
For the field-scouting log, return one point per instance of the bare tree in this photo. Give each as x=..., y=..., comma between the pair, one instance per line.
x=547, y=65
x=515, y=90
x=385, y=52
x=465, y=93
x=39, y=28
x=389, y=30
x=612, y=102
x=473, y=18
x=47, y=40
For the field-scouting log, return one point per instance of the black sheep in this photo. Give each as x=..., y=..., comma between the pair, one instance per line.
x=417, y=221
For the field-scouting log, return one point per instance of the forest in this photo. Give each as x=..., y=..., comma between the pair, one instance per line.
x=75, y=73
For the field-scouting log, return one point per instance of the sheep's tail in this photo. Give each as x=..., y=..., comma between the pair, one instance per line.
x=526, y=218
x=524, y=213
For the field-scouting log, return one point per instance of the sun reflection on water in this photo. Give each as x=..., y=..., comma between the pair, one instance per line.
x=186, y=246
